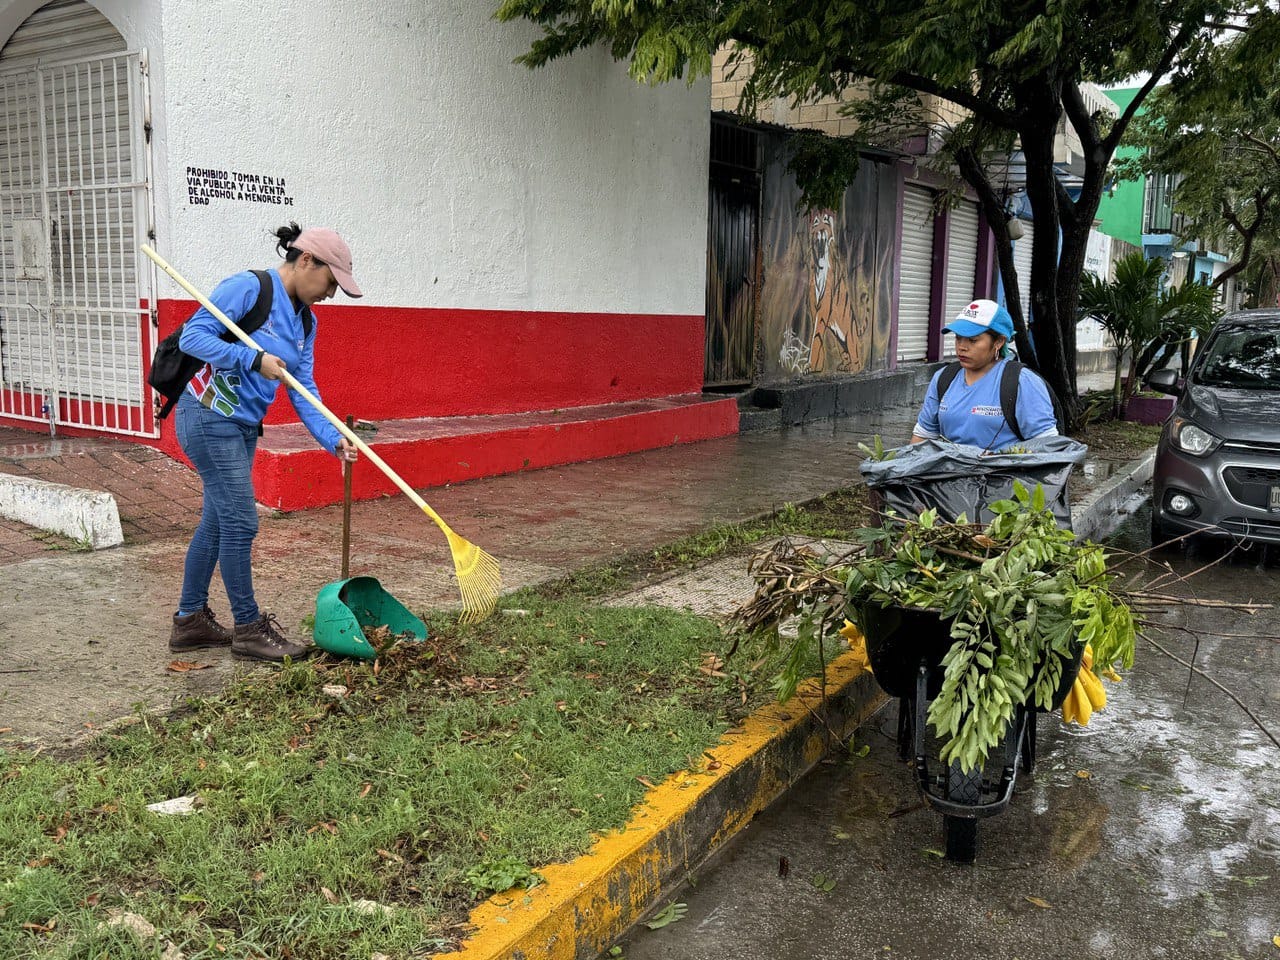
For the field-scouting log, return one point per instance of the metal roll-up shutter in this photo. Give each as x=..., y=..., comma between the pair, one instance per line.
x=916, y=283
x=962, y=264
x=1022, y=264
x=62, y=30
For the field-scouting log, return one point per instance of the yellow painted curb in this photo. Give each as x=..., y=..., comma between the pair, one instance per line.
x=585, y=905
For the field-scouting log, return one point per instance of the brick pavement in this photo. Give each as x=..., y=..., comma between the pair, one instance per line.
x=157, y=496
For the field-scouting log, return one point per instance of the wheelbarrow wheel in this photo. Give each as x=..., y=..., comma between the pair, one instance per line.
x=960, y=834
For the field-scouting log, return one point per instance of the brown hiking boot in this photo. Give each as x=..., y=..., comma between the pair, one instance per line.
x=264, y=640
x=197, y=630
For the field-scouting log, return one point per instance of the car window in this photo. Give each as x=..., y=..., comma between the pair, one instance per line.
x=1245, y=359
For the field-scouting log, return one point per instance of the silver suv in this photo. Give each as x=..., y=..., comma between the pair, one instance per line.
x=1218, y=461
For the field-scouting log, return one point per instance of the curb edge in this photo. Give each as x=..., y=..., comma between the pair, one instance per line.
x=588, y=903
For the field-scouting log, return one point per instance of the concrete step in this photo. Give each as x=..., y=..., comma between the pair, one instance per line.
x=292, y=473
x=759, y=419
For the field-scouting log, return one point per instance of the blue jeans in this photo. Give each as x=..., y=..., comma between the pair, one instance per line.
x=222, y=451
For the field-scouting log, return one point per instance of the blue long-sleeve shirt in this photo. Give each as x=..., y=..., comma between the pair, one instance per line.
x=228, y=384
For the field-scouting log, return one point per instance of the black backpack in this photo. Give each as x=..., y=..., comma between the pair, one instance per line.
x=172, y=370
x=1009, y=380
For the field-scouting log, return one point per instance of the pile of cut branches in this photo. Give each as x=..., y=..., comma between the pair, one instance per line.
x=1021, y=597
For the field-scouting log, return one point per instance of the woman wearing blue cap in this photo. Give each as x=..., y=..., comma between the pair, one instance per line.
x=970, y=409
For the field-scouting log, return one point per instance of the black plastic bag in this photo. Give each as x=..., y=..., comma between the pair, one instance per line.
x=955, y=478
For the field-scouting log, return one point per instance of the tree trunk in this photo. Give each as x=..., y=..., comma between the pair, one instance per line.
x=1054, y=344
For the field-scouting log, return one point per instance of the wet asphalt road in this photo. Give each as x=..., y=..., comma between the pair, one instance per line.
x=1152, y=833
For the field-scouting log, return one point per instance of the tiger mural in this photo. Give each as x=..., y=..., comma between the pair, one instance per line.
x=834, y=347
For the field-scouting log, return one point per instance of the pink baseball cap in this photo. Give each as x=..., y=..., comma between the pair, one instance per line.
x=326, y=245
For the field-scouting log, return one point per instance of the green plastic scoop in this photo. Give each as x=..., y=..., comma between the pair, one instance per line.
x=348, y=607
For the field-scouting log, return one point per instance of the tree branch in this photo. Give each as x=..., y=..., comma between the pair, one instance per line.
x=957, y=95
x=1112, y=140
x=1267, y=148
x=1079, y=117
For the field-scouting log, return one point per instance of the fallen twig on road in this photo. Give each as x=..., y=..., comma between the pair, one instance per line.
x=1194, y=669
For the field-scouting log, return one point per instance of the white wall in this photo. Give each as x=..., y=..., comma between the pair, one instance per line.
x=459, y=178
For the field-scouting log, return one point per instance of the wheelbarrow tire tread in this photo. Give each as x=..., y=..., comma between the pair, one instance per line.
x=960, y=834
x=961, y=838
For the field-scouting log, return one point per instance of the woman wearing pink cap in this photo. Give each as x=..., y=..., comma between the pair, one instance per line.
x=219, y=419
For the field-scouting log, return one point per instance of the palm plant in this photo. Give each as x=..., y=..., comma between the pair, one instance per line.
x=1143, y=319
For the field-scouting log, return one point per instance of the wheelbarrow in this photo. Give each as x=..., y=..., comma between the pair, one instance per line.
x=346, y=608
x=905, y=648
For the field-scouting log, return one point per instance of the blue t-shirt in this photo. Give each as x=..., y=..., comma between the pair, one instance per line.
x=971, y=413
x=228, y=384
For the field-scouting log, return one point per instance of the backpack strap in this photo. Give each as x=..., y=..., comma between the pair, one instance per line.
x=947, y=377
x=1010, y=378
x=260, y=310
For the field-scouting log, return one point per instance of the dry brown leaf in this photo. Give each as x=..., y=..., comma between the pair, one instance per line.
x=1042, y=904
x=364, y=790
x=183, y=666
x=646, y=782
x=328, y=895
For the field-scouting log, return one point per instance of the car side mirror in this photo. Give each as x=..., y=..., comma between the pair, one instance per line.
x=1165, y=381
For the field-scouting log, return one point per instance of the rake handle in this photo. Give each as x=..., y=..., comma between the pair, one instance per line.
x=293, y=384
x=346, y=510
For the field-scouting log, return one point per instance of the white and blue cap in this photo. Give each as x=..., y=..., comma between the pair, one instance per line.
x=982, y=316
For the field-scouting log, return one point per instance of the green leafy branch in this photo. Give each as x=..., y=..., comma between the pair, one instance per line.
x=1021, y=598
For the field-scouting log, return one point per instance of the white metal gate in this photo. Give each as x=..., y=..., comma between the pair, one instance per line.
x=962, y=265
x=915, y=291
x=75, y=296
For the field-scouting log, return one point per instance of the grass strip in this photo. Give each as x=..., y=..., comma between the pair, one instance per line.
x=342, y=824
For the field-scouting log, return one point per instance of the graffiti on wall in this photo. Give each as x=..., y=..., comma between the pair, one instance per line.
x=826, y=300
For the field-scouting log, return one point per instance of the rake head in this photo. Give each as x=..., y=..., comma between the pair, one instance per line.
x=478, y=577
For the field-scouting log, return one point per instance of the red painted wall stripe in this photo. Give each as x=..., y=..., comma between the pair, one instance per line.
x=380, y=363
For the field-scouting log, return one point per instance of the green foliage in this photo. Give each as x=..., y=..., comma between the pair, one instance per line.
x=876, y=451
x=448, y=770
x=1142, y=315
x=671, y=913
x=825, y=165
x=500, y=874
x=1216, y=127
x=1021, y=598
x=1019, y=612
